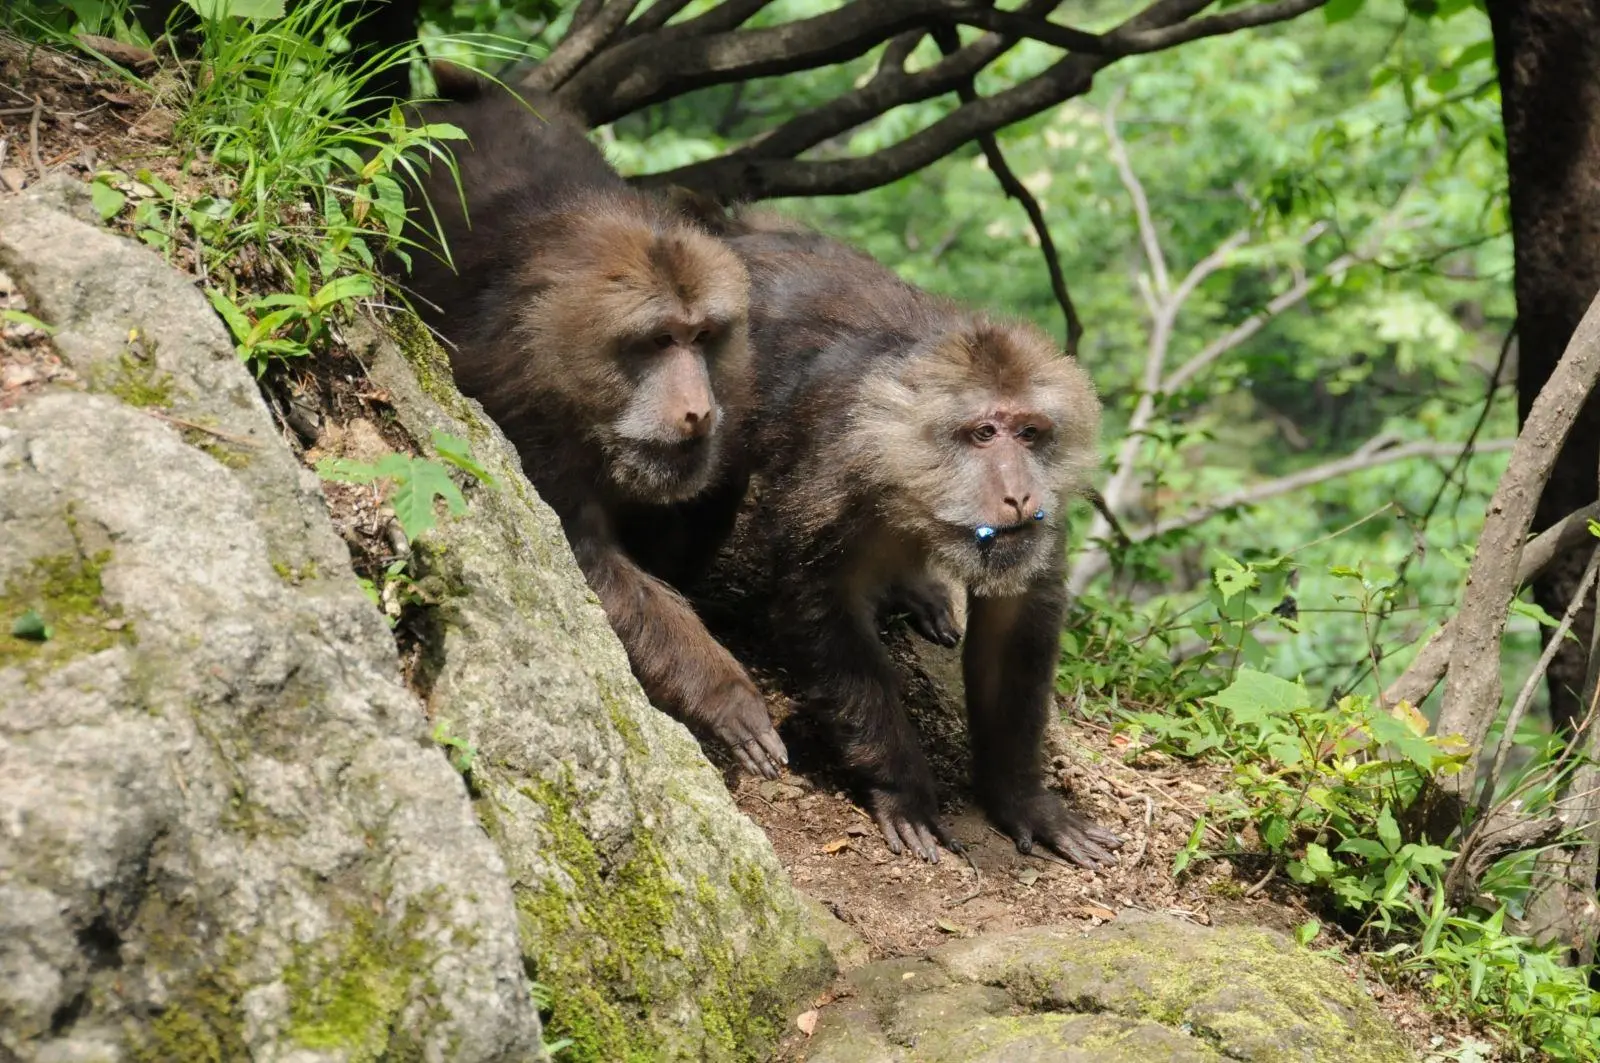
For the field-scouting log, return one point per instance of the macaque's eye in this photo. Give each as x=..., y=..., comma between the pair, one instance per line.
x=1029, y=433
x=701, y=337
x=983, y=433
x=664, y=341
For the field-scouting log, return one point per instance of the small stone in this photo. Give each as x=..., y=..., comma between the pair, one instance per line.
x=807, y=1021
x=13, y=178
x=17, y=376
x=774, y=790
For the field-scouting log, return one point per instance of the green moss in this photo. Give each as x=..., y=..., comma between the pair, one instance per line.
x=346, y=995
x=604, y=947
x=201, y=1022
x=621, y=718
x=65, y=591
x=434, y=375
x=134, y=379
x=295, y=575
x=220, y=452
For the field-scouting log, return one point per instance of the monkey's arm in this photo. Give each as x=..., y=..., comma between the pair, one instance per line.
x=681, y=667
x=1009, y=664
x=850, y=677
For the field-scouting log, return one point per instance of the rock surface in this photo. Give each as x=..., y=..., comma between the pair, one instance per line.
x=1144, y=989
x=653, y=910
x=224, y=832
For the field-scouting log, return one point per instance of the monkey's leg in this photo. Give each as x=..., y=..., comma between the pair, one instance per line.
x=852, y=679
x=1009, y=664
x=681, y=667
x=928, y=607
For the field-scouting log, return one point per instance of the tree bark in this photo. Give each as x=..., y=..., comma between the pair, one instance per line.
x=1547, y=52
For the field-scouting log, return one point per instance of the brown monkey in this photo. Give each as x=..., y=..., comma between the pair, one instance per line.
x=606, y=334
x=907, y=444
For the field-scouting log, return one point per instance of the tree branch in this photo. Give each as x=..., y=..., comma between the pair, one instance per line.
x=1134, y=42
x=1359, y=461
x=1428, y=666
x=580, y=44
x=1472, y=682
x=950, y=42
x=1148, y=240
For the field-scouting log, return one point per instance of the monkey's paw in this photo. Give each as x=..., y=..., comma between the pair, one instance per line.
x=741, y=722
x=911, y=821
x=929, y=611
x=1043, y=817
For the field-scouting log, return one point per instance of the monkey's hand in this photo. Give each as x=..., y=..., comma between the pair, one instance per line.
x=909, y=819
x=1042, y=817
x=738, y=717
x=928, y=609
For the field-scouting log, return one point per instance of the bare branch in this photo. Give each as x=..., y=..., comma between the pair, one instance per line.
x=580, y=45
x=1472, y=682
x=726, y=16
x=587, y=10
x=1253, y=324
x=950, y=43
x=1357, y=462
x=655, y=16
x=1535, y=679
x=1148, y=238
x=1428, y=666
x=1131, y=42
x=761, y=178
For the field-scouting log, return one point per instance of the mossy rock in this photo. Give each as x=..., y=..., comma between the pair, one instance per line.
x=1143, y=989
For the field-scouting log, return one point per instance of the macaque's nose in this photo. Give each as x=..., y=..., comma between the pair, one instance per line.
x=1020, y=506
x=696, y=424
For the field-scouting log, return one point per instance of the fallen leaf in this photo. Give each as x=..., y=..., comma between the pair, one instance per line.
x=807, y=1021
x=836, y=845
x=31, y=626
x=1097, y=912
x=1028, y=876
x=950, y=928
x=856, y=830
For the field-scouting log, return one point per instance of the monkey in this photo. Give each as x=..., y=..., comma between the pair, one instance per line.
x=909, y=446
x=606, y=334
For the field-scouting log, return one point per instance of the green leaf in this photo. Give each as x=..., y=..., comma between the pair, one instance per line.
x=456, y=451
x=1234, y=580
x=1307, y=932
x=258, y=10
x=1319, y=862
x=230, y=313
x=1256, y=696
x=1398, y=736
x=1341, y=10
x=353, y=286
x=108, y=202
x=1388, y=830
x=346, y=471
x=1365, y=848
x=23, y=318
x=1532, y=611
x=31, y=626
x=414, y=496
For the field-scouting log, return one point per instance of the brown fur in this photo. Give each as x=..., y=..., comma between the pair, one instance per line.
x=875, y=477
x=606, y=334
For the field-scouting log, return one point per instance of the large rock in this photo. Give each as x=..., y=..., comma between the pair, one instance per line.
x=223, y=832
x=230, y=835
x=1144, y=989
x=653, y=910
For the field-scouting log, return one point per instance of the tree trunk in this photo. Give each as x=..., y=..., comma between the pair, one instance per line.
x=1548, y=52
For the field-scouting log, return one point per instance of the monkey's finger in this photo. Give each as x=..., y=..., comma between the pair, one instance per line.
x=746, y=761
x=1102, y=836
x=773, y=746
x=928, y=848
x=1081, y=851
x=758, y=756
x=947, y=839
x=889, y=833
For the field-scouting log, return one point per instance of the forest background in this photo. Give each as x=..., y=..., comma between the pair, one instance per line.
x=1288, y=251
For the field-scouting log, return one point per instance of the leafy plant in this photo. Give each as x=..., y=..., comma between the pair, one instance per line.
x=416, y=484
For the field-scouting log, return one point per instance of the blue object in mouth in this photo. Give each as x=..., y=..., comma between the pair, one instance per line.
x=1039, y=513
x=984, y=533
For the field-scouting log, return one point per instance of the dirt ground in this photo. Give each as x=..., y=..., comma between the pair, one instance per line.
x=58, y=115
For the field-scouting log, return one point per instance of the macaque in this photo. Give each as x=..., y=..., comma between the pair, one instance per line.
x=606, y=334
x=906, y=446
